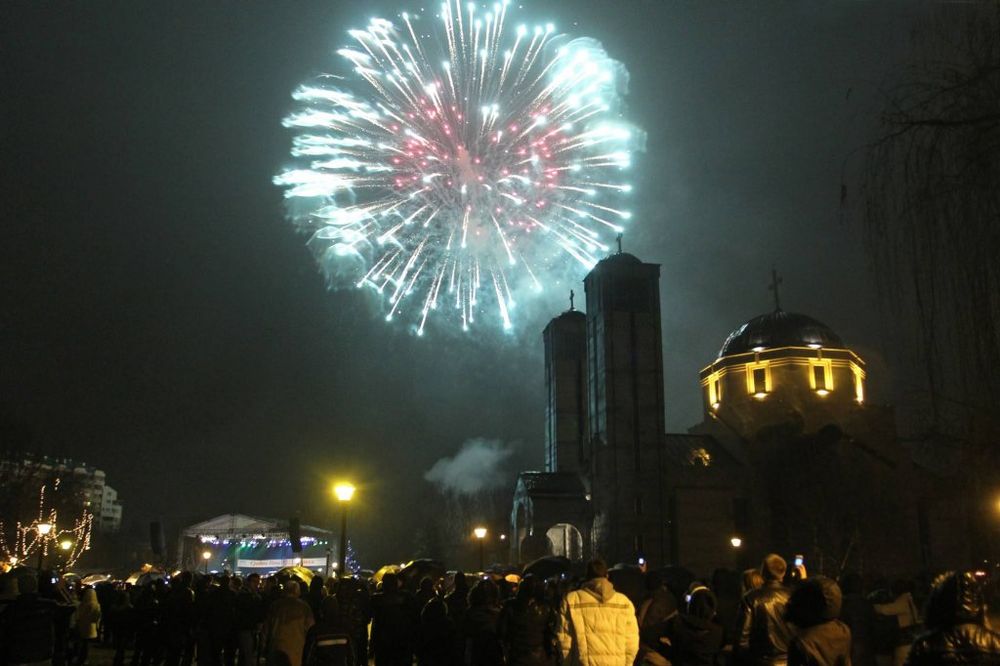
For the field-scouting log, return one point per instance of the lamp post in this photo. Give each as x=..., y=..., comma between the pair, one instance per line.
x=344, y=493
x=480, y=533
x=66, y=545
x=206, y=555
x=44, y=529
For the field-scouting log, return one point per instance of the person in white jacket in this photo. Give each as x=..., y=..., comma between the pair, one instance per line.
x=597, y=626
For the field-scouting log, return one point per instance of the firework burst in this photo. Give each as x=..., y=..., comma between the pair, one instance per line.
x=462, y=164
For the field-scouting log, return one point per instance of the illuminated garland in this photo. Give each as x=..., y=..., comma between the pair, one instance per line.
x=29, y=540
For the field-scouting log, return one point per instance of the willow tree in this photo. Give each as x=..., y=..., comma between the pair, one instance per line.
x=932, y=220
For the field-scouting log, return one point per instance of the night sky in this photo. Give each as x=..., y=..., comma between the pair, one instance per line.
x=161, y=320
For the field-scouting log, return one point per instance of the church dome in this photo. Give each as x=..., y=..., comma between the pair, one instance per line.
x=621, y=258
x=779, y=329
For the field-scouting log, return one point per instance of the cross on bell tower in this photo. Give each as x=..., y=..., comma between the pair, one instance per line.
x=571, y=297
x=619, y=239
x=776, y=281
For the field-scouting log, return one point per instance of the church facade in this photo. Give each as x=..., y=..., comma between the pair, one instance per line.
x=789, y=456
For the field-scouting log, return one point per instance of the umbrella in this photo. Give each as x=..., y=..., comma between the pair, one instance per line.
x=417, y=570
x=389, y=568
x=303, y=574
x=140, y=578
x=549, y=566
x=94, y=579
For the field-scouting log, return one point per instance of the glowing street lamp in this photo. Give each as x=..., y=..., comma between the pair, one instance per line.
x=344, y=492
x=480, y=533
x=206, y=555
x=65, y=544
x=736, y=542
x=44, y=529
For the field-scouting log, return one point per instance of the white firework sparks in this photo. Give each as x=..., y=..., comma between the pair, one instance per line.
x=465, y=163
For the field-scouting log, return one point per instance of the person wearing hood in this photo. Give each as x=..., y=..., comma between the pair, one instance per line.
x=693, y=637
x=597, y=626
x=956, y=626
x=88, y=614
x=822, y=639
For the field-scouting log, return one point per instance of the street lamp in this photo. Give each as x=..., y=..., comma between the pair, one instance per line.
x=480, y=533
x=43, y=531
x=736, y=542
x=206, y=555
x=344, y=492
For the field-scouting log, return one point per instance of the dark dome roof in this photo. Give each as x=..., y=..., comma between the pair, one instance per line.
x=621, y=258
x=572, y=314
x=779, y=329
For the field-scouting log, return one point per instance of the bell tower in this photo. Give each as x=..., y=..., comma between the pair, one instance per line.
x=566, y=424
x=626, y=409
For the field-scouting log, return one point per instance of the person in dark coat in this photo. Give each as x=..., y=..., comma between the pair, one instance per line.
x=355, y=608
x=436, y=638
x=693, y=637
x=479, y=626
x=822, y=639
x=121, y=624
x=526, y=626
x=179, y=620
x=458, y=598
x=425, y=593
x=250, y=614
x=315, y=596
x=858, y=613
x=27, y=626
x=763, y=633
x=328, y=642
x=392, y=624
x=956, y=626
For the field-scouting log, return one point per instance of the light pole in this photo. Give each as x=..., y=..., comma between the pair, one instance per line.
x=44, y=529
x=65, y=546
x=480, y=533
x=344, y=493
x=206, y=555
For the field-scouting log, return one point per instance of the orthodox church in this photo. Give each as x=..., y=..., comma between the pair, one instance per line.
x=789, y=456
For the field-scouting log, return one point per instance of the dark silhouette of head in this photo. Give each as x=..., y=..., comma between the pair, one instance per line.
x=701, y=603
x=390, y=582
x=773, y=567
x=434, y=611
x=956, y=598
x=484, y=593
x=461, y=585
x=814, y=601
x=530, y=588
x=597, y=568
x=330, y=607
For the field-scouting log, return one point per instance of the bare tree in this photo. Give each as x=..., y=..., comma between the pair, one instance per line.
x=932, y=215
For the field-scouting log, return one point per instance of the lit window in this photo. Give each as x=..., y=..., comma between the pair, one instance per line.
x=821, y=376
x=758, y=380
x=859, y=383
x=714, y=391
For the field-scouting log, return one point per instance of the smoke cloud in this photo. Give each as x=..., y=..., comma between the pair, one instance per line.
x=477, y=466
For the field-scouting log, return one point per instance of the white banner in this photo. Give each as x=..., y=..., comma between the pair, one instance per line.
x=308, y=562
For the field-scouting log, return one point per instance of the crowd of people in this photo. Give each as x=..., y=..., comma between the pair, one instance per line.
x=772, y=615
